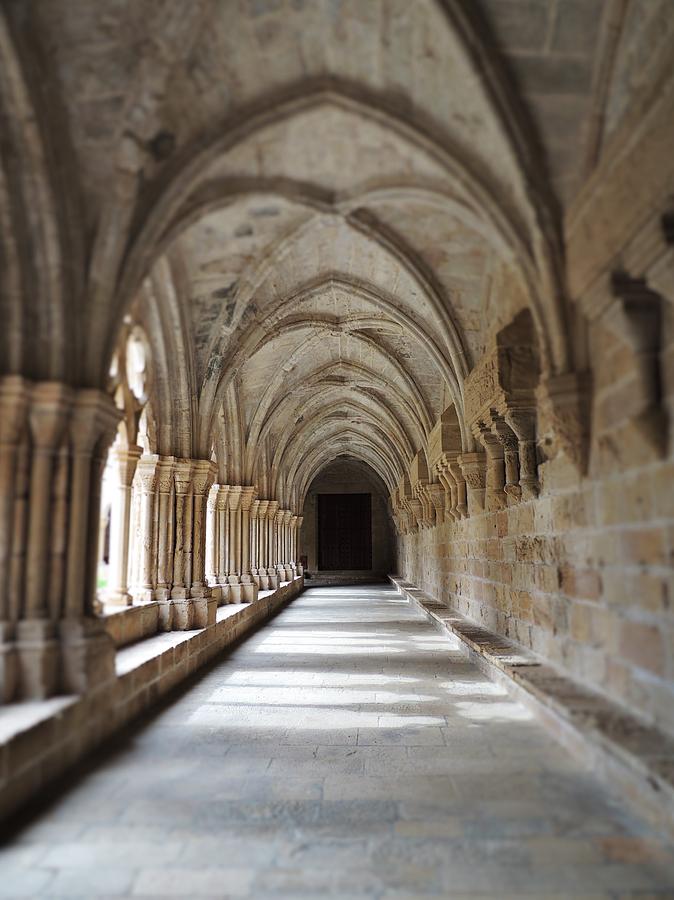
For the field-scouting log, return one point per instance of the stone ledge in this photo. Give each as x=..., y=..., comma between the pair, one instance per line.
x=39, y=741
x=627, y=754
x=128, y=624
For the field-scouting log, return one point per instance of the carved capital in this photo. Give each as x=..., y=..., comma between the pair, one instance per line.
x=247, y=496
x=165, y=467
x=14, y=396
x=50, y=403
x=563, y=416
x=182, y=476
x=147, y=472
x=202, y=476
x=234, y=497
x=126, y=460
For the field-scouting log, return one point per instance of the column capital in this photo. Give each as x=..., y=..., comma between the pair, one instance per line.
x=287, y=515
x=146, y=471
x=49, y=404
x=262, y=508
x=165, y=466
x=272, y=509
x=14, y=396
x=234, y=496
x=255, y=509
x=93, y=417
x=126, y=460
x=300, y=519
x=203, y=475
x=247, y=496
x=221, y=496
x=182, y=475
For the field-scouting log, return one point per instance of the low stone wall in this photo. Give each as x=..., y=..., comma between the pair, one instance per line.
x=130, y=624
x=40, y=741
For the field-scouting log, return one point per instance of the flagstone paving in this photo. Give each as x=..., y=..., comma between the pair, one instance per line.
x=346, y=750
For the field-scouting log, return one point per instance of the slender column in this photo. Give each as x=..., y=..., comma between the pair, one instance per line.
x=87, y=650
x=182, y=477
x=272, y=571
x=147, y=481
x=456, y=472
x=508, y=440
x=222, y=507
x=278, y=522
x=212, y=536
x=473, y=469
x=50, y=402
x=234, y=505
x=125, y=461
x=298, y=527
x=13, y=424
x=262, y=535
x=55, y=581
x=248, y=586
x=165, y=469
x=204, y=473
x=254, y=541
x=293, y=541
x=523, y=423
x=495, y=497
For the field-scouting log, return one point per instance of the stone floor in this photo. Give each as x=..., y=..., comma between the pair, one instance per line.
x=345, y=750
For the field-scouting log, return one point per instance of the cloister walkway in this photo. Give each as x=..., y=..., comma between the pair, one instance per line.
x=348, y=750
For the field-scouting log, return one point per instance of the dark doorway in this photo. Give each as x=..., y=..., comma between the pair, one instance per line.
x=344, y=531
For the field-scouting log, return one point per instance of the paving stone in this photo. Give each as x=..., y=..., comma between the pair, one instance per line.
x=485, y=805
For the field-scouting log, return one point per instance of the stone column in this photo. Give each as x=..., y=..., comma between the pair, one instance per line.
x=495, y=497
x=125, y=460
x=262, y=538
x=14, y=393
x=285, y=545
x=474, y=471
x=165, y=509
x=523, y=424
x=146, y=480
x=87, y=651
x=183, y=612
x=249, y=590
x=455, y=472
x=37, y=648
x=254, y=542
x=204, y=606
x=293, y=543
x=234, y=543
x=212, y=537
x=298, y=526
x=508, y=440
x=278, y=544
x=272, y=571
x=222, y=509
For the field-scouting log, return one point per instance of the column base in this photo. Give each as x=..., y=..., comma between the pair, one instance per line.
x=183, y=614
x=205, y=609
x=9, y=664
x=38, y=659
x=249, y=592
x=87, y=655
x=165, y=614
x=273, y=579
x=117, y=598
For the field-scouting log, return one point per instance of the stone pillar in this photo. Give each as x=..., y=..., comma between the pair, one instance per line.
x=14, y=393
x=523, y=424
x=508, y=440
x=474, y=471
x=495, y=497
x=37, y=648
x=456, y=472
x=146, y=482
x=234, y=544
x=183, y=612
x=249, y=590
x=87, y=651
x=254, y=542
x=285, y=545
x=204, y=605
x=165, y=525
x=278, y=544
x=298, y=525
x=125, y=460
x=222, y=508
x=212, y=537
x=272, y=571
x=292, y=530
x=262, y=537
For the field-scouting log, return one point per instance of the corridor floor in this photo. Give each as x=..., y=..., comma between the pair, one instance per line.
x=346, y=749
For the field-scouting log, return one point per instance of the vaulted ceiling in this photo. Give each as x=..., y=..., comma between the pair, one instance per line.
x=326, y=207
